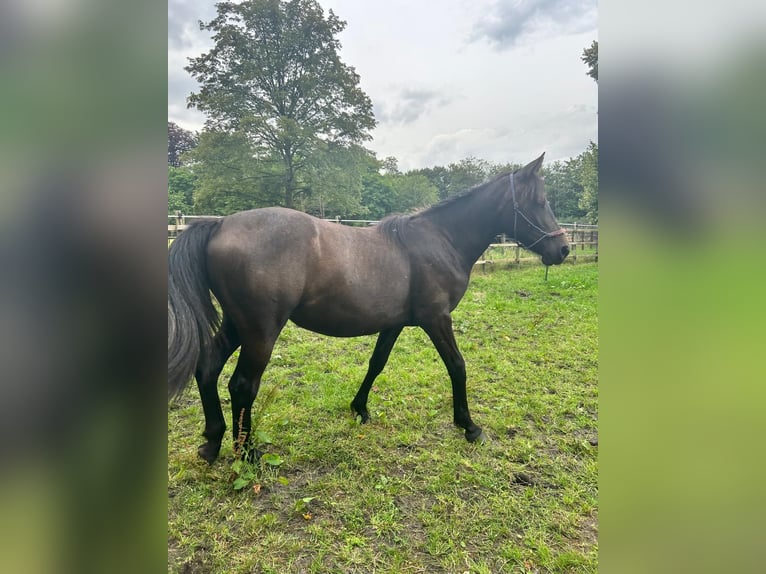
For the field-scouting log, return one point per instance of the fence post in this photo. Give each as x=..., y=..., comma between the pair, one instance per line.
x=596, y=246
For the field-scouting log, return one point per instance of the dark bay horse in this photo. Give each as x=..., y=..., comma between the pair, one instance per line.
x=268, y=266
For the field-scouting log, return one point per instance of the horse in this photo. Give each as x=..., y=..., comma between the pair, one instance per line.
x=269, y=266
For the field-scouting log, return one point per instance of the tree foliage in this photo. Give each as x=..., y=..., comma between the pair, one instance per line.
x=385, y=192
x=590, y=57
x=563, y=188
x=181, y=185
x=274, y=76
x=378, y=196
x=334, y=181
x=412, y=191
x=179, y=142
x=572, y=187
x=228, y=174
x=229, y=178
x=462, y=175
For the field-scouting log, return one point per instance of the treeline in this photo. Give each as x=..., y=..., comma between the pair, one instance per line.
x=218, y=172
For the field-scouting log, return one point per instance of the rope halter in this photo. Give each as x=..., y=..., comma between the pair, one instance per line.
x=517, y=211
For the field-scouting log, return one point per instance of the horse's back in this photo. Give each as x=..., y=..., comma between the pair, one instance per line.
x=324, y=276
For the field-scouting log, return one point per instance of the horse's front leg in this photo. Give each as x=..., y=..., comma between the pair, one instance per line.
x=383, y=347
x=440, y=332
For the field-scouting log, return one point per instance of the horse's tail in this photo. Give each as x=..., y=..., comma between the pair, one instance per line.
x=192, y=317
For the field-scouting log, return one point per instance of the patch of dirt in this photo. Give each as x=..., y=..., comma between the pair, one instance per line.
x=197, y=564
x=589, y=531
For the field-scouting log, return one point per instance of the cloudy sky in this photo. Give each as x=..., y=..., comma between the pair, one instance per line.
x=500, y=80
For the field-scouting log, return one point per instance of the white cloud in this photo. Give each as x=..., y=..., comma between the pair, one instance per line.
x=408, y=105
x=509, y=22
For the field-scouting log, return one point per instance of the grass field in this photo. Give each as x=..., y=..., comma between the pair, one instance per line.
x=406, y=493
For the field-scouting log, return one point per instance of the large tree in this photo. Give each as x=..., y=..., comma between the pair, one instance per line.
x=274, y=74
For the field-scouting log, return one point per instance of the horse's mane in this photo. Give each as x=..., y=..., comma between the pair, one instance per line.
x=460, y=196
x=398, y=226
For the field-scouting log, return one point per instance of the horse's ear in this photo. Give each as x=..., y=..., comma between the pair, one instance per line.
x=533, y=166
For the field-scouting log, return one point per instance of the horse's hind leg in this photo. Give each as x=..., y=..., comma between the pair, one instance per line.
x=383, y=347
x=207, y=373
x=245, y=382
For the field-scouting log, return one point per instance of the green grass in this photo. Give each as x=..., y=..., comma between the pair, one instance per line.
x=407, y=493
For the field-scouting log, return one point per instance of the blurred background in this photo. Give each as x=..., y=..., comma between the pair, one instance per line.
x=82, y=181
x=681, y=309
x=82, y=185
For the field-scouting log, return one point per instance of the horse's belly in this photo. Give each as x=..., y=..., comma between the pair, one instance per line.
x=344, y=318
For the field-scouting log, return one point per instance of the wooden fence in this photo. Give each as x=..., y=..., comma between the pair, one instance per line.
x=181, y=222
x=583, y=241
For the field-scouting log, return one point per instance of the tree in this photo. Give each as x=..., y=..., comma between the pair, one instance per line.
x=334, y=180
x=563, y=188
x=390, y=166
x=460, y=176
x=412, y=191
x=378, y=194
x=181, y=185
x=572, y=187
x=590, y=57
x=439, y=176
x=229, y=179
x=275, y=76
x=179, y=142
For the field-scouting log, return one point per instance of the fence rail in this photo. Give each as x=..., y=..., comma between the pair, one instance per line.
x=583, y=241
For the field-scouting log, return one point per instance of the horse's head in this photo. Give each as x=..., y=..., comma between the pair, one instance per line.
x=528, y=216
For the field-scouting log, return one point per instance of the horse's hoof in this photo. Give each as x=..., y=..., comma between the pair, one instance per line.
x=364, y=416
x=208, y=452
x=476, y=435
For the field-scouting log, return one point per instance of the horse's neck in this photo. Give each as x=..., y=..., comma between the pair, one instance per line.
x=470, y=224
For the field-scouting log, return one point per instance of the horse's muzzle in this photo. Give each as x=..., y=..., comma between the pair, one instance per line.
x=558, y=258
